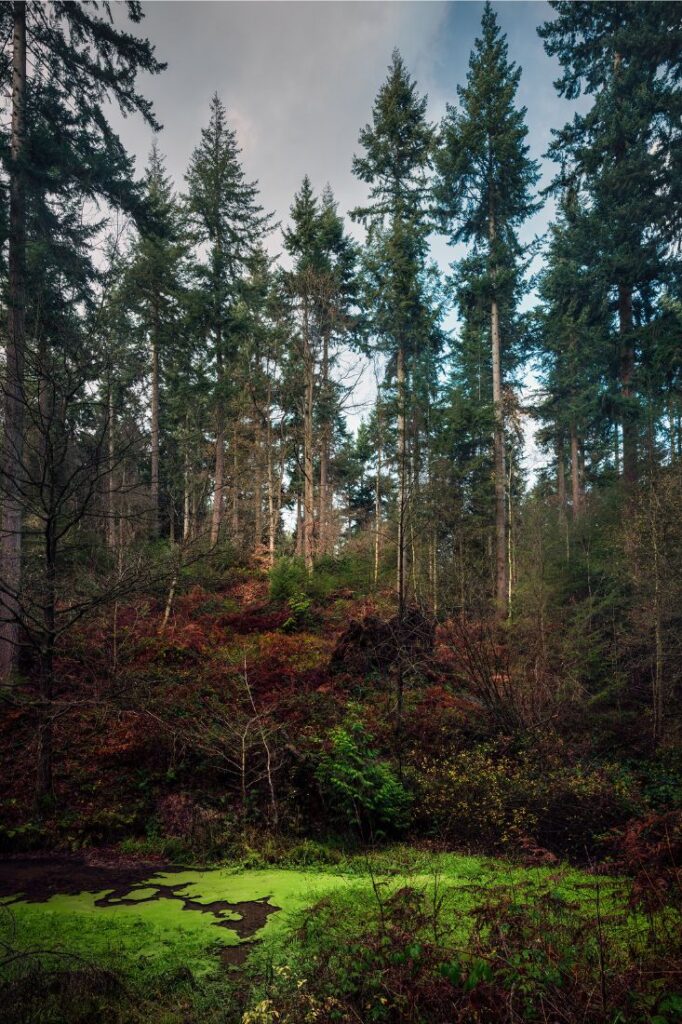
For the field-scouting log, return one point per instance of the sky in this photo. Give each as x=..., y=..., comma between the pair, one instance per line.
x=299, y=79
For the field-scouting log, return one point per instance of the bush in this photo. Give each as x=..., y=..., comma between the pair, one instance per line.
x=363, y=791
x=483, y=799
x=288, y=579
x=523, y=953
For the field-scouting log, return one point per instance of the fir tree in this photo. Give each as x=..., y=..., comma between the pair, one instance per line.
x=62, y=149
x=396, y=165
x=156, y=291
x=483, y=194
x=230, y=220
x=626, y=153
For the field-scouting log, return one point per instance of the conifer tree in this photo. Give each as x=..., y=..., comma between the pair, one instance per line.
x=395, y=164
x=65, y=148
x=155, y=287
x=574, y=344
x=626, y=153
x=321, y=285
x=483, y=193
x=229, y=219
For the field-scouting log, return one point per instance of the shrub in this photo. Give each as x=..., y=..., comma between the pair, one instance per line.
x=483, y=799
x=529, y=955
x=363, y=790
x=299, y=607
x=288, y=579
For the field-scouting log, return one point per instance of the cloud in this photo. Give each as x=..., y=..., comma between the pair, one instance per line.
x=299, y=80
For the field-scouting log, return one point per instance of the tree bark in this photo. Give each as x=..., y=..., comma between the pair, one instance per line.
x=235, y=483
x=501, y=576
x=111, y=483
x=13, y=435
x=325, y=445
x=299, y=526
x=402, y=483
x=561, y=477
x=155, y=431
x=501, y=565
x=52, y=454
x=626, y=370
x=308, y=482
x=576, y=476
x=377, y=506
x=258, y=490
x=186, y=505
x=219, y=479
x=272, y=516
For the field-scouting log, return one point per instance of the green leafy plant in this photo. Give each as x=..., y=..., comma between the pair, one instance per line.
x=362, y=789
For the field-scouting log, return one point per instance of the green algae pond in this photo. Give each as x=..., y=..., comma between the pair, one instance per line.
x=203, y=920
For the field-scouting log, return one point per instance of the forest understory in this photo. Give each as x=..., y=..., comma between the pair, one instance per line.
x=450, y=866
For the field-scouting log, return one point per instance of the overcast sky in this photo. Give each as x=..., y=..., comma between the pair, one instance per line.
x=299, y=79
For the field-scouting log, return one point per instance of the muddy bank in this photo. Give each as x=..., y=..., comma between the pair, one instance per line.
x=37, y=879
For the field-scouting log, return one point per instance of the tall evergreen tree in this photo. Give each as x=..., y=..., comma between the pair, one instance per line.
x=62, y=147
x=395, y=164
x=574, y=345
x=483, y=193
x=155, y=288
x=322, y=286
x=626, y=153
x=229, y=219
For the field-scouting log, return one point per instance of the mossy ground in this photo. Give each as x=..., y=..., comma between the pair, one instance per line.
x=152, y=943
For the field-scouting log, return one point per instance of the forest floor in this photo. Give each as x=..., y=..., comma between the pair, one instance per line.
x=193, y=944
x=484, y=886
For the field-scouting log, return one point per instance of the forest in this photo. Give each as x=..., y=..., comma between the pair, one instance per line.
x=341, y=588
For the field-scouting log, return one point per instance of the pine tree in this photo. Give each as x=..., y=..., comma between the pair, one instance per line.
x=483, y=193
x=574, y=345
x=62, y=148
x=626, y=153
x=229, y=219
x=155, y=289
x=396, y=165
x=322, y=286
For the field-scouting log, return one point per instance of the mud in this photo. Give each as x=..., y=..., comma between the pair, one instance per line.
x=36, y=880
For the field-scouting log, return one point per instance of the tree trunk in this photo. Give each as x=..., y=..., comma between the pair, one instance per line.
x=299, y=526
x=501, y=575
x=155, y=432
x=576, y=480
x=377, y=509
x=13, y=435
x=235, y=483
x=308, y=482
x=402, y=483
x=52, y=453
x=626, y=370
x=561, y=477
x=258, y=491
x=111, y=483
x=186, y=521
x=217, y=513
x=272, y=517
x=325, y=445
